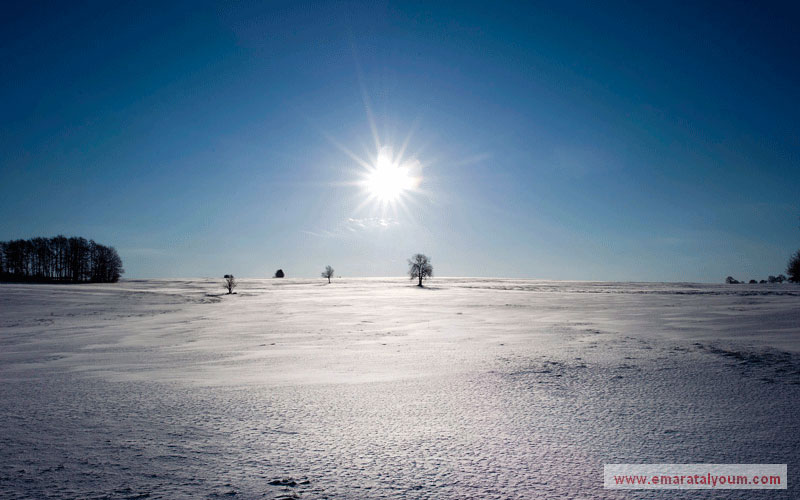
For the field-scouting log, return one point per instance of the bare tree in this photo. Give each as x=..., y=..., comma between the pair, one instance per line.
x=419, y=266
x=230, y=283
x=328, y=273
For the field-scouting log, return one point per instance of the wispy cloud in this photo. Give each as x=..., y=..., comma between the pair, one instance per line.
x=353, y=225
x=371, y=222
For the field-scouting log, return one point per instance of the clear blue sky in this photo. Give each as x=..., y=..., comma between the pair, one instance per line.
x=597, y=141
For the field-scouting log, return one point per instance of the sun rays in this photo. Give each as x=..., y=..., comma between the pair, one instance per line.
x=389, y=180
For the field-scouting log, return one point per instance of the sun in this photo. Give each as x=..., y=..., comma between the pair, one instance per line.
x=388, y=180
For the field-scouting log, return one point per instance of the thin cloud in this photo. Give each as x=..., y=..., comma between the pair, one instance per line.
x=353, y=225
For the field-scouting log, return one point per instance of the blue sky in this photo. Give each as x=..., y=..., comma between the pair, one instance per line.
x=555, y=140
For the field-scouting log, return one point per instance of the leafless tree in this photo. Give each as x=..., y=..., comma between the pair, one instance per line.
x=419, y=266
x=230, y=283
x=328, y=273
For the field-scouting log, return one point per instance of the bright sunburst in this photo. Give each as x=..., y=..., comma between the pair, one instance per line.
x=388, y=180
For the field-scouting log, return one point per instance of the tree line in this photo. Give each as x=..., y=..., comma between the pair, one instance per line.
x=730, y=280
x=59, y=259
x=792, y=269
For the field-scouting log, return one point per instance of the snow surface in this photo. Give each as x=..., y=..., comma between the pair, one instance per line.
x=374, y=388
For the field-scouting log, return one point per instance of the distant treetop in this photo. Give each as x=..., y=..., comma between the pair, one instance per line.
x=793, y=268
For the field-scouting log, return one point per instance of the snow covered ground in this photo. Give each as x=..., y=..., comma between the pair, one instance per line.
x=374, y=388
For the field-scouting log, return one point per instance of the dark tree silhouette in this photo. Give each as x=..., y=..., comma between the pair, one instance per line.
x=731, y=280
x=279, y=274
x=752, y=282
x=328, y=273
x=793, y=268
x=59, y=259
x=230, y=283
x=419, y=266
